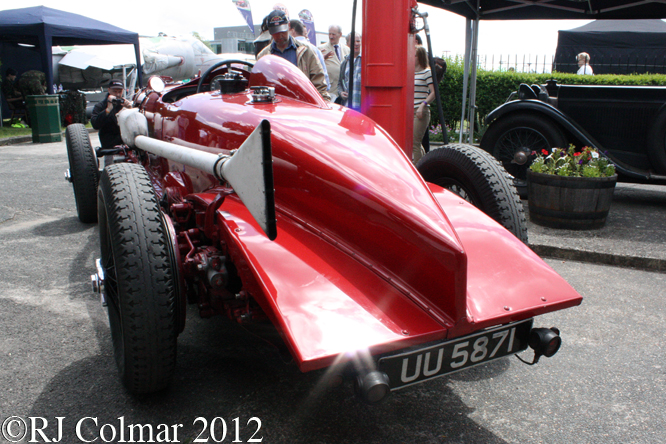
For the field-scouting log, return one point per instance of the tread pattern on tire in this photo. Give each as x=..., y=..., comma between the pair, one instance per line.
x=145, y=285
x=84, y=171
x=493, y=187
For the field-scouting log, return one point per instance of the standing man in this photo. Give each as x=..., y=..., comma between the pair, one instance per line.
x=334, y=54
x=297, y=31
x=343, y=83
x=104, y=115
x=298, y=53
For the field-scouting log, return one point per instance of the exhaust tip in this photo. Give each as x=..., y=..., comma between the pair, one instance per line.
x=545, y=341
x=372, y=387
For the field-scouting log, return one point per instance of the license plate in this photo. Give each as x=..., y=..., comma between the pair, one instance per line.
x=437, y=360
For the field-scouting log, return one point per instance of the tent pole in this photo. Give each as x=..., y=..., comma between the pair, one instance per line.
x=438, y=99
x=125, y=82
x=46, y=52
x=139, y=68
x=132, y=85
x=472, y=92
x=468, y=44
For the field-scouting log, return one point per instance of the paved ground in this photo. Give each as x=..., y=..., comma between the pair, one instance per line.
x=634, y=234
x=605, y=386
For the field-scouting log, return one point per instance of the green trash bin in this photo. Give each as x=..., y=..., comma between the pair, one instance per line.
x=44, y=118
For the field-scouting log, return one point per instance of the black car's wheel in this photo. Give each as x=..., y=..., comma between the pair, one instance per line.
x=140, y=282
x=478, y=178
x=83, y=171
x=657, y=144
x=512, y=139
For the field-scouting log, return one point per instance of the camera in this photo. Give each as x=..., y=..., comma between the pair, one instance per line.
x=117, y=102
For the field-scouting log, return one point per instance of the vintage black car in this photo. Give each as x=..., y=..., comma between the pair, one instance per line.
x=626, y=123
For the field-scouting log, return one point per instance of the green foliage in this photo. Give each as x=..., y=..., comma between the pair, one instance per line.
x=494, y=87
x=572, y=163
x=72, y=108
x=436, y=134
x=205, y=42
x=7, y=130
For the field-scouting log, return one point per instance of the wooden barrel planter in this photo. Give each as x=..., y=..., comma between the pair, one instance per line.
x=575, y=203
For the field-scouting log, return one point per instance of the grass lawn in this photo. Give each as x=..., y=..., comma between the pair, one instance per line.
x=7, y=131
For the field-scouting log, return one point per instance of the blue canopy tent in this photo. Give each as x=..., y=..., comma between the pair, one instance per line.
x=45, y=27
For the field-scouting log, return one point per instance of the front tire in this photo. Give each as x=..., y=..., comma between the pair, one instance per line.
x=84, y=171
x=478, y=178
x=524, y=132
x=140, y=282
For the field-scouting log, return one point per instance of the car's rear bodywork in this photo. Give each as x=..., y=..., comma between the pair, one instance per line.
x=369, y=260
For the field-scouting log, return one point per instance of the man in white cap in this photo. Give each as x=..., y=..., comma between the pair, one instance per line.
x=298, y=53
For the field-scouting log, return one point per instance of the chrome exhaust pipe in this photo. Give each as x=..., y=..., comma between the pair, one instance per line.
x=372, y=386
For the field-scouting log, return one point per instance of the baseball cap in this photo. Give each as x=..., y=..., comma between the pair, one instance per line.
x=277, y=22
x=115, y=83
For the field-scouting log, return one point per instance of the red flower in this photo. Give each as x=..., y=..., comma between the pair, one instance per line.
x=576, y=154
x=544, y=152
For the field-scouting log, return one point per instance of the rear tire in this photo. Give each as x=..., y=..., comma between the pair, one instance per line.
x=140, y=282
x=478, y=178
x=84, y=171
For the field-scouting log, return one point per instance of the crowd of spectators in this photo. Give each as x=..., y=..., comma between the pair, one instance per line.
x=329, y=66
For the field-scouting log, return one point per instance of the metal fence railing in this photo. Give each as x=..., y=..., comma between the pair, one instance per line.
x=516, y=62
x=546, y=63
x=619, y=65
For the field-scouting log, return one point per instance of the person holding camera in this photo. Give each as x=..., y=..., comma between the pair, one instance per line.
x=104, y=115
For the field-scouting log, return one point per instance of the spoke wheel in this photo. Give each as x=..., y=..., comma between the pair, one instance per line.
x=140, y=282
x=508, y=136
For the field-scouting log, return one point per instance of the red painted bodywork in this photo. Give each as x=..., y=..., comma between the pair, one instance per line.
x=388, y=67
x=368, y=256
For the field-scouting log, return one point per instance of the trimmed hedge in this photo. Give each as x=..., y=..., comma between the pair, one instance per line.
x=494, y=87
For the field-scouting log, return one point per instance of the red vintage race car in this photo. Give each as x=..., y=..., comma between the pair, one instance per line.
x=245, y=193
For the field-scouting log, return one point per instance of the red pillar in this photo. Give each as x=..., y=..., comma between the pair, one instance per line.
x=388, y=68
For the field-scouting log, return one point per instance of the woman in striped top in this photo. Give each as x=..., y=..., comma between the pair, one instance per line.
x=424, y=94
